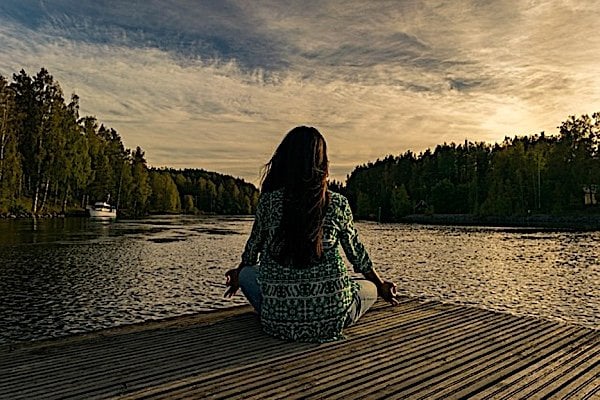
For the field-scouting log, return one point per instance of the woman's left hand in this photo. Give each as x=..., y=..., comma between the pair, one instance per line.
x=387, y=291
x=232, y=281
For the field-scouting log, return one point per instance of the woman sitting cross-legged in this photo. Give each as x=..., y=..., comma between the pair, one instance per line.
x=301, y=288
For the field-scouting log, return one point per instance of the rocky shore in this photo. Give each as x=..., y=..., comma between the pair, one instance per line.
x=48, y=214
x=31, y=215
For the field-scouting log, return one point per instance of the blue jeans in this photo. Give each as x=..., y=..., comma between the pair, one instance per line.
x=364, y=298
x=249, y=284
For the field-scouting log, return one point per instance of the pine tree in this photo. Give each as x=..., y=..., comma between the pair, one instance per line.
x=10, y=163
x=141, y=183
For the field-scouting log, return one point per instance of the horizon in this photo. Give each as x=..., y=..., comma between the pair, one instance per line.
x=216, y=86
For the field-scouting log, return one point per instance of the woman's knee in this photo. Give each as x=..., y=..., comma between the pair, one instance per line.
x=368, y=290
x=248, y=276
x=248, y=281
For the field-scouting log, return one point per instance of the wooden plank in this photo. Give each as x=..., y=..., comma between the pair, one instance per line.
x=513, y=385
x=585, y=386
x=483, y=374
x=381, y=328
x=101, y=341
x=332, y=374
x=572, y=377
x=119, y=374
x=333, y=358
x=516, y=384
x=434, y=376
x=154, y=367
x=408, y=344
x=154, y=356
x=417, y=350
x=275, y=381
x=400, y=375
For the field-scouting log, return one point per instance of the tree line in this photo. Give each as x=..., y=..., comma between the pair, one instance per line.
x=52, y=159
x=197, y=190
x=539, y=174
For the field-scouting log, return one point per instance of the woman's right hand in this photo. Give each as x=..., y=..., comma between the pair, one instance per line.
x=232, y=281
x=387, y=291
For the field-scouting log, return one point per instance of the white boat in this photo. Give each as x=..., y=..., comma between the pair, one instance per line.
x=102, y=209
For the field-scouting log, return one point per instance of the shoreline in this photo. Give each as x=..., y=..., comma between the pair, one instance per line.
x=83, y=213
x=585, y=222
x=28, y=215
x=579, y=222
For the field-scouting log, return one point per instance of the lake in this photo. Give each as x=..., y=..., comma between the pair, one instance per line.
x=66, y=276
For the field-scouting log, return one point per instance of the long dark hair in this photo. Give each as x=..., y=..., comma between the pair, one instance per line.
x=300, y=167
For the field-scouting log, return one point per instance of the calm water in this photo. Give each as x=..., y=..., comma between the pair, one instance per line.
x=65, y=276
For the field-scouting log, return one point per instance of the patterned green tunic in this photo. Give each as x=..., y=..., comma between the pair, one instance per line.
x=309, y=304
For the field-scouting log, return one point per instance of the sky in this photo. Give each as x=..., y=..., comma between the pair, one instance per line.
x=216, y=84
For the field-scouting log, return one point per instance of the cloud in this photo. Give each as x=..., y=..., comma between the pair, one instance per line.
x=216, y=84
x=184, y=28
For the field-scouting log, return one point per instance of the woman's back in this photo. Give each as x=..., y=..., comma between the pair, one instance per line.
x=306, y=302
x=301, y=286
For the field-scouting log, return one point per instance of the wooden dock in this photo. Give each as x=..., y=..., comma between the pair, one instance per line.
x=419, y=350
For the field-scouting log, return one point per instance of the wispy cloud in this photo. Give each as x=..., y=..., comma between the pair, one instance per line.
x=217, y=84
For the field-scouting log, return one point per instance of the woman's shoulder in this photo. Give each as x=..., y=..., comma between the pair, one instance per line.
x=271, y=194
x=337, y=200
x=270, y=199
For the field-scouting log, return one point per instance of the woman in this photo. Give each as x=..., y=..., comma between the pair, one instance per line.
x=301, y=288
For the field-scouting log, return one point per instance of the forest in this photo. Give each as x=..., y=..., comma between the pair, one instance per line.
x=52, y=160
x=524, y=175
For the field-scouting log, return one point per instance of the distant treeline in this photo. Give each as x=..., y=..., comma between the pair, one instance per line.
x=195, y=190
x=53, y=160
x=523, y=175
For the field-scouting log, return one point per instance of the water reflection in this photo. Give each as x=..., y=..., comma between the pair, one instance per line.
x=63, y=276
x=549, y=274
x=47, y=230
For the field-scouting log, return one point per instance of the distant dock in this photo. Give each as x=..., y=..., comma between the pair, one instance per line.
x=418, y=350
